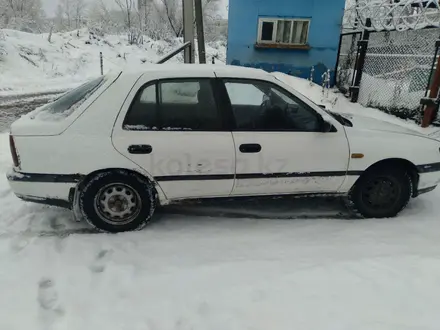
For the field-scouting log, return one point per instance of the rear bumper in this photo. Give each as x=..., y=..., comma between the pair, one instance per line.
x=49, y=189
x=428, y=181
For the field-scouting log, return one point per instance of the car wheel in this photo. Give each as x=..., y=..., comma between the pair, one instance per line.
x=381, y=193
x=117, y=201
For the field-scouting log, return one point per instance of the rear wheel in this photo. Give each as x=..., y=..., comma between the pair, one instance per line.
x=381, y=193
x=117, y=201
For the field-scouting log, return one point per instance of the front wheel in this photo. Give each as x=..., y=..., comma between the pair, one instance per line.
x=117, y=201
x=381, y=193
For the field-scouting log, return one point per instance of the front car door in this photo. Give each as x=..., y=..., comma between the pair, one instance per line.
x=173, y=128
x=279, y=143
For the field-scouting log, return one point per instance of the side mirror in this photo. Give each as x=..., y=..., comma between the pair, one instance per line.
x=326, y=126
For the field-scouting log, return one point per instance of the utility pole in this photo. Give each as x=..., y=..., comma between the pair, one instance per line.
x=141, y=9
x=200, y=32
x=188, y=29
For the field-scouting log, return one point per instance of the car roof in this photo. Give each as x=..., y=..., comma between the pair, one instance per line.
x=201, y=69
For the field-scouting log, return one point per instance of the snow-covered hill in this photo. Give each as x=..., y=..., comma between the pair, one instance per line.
x=30, y=63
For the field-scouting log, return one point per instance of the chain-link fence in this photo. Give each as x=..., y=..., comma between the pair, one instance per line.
x=347, y=60
x=397, y=70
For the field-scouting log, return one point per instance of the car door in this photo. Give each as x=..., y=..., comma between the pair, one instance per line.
x=172, y=127
x=279, y=143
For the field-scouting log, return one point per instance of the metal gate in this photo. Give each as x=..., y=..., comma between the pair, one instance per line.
x=397, y=70
x=346, y=62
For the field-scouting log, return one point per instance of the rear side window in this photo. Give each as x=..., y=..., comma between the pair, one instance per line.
x=66, y=104
x=175, y=105
x=143, y=111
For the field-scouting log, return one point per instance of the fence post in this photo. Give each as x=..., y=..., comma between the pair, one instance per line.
x=337, y=58
x=200, y=31
x=101, y=63
x=434, y=61
x=431, y=108
x=362, y=49
x=188, y=29
x=312, y=74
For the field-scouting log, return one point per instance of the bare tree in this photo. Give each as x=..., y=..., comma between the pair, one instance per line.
x=159, y=19
x=70, y=14
x=3, y=51
x=171, y=11
x=65, y=10
x=214, y=24
x=79, y=8
x=59, y=18
x=26, y=15
x=153, y=21
x=101, y=18
x=128, y=7
x=210, y=8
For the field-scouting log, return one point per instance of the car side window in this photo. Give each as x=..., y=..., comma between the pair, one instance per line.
x=244, y=94
x=181, y=104
x=179, y=92
x=142, y=114
x=188, y=105
x=263, y=106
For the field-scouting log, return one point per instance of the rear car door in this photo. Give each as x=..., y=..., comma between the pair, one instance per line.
x=279, y=143
x=173, y=128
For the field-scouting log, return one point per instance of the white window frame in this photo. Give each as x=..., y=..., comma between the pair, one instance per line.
x=275, y=21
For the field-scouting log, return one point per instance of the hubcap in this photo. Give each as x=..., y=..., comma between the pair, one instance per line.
x=381, y=193
x=117, y=204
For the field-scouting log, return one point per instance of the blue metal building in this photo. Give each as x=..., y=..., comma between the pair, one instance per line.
x=289, y=36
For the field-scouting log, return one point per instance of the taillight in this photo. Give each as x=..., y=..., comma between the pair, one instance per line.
x=14, y=154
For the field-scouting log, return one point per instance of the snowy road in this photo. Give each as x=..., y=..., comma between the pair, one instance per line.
x=188, y=272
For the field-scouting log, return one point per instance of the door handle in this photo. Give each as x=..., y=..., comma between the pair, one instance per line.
x=251, y=148
x=138, y=149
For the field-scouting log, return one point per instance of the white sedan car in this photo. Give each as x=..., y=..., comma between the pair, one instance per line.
x=118, y=146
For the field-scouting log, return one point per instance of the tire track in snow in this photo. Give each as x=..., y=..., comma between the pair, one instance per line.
x=177, y=213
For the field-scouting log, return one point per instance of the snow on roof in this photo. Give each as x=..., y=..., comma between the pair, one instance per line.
x=197, y=68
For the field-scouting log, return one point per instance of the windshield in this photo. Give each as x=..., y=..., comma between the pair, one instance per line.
x=66, y=104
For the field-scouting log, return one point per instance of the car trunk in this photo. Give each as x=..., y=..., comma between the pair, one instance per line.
x=56, y=116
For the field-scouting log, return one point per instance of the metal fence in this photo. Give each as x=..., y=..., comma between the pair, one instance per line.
x=345, y=68
x=397, y=70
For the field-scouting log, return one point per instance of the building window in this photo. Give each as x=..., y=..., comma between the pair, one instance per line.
x=283, y=31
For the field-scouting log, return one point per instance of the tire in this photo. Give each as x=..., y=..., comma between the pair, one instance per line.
x=381, y=193
x=117, y=201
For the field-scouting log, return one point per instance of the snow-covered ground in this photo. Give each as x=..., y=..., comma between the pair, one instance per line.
x=187, y=272
x=33, y=64
x=217, y=273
